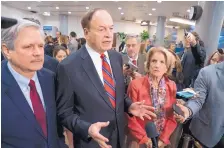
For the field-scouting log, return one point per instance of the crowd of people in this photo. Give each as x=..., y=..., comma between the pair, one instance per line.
x=80, y=92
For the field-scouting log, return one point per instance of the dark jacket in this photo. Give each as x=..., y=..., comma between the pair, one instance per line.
x=192, y=60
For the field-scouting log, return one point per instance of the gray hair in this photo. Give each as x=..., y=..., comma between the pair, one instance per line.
x=9, y=35
x=133, y=36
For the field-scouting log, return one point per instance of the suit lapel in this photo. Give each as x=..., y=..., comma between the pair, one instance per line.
x=90, y=70
x=14, y=92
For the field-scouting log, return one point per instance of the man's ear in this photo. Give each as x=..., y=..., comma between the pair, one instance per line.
x=6, y=51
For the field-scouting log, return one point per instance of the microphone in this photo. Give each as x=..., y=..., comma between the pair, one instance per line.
x=152, y=133
x=7, y=22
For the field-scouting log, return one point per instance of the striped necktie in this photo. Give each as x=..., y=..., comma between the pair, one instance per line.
x=109, y=84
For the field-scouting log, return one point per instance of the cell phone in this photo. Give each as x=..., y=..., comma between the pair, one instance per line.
x=185, y=33
x=184, y=95
x=132, y=66
x=220, y=50
x=178, y=110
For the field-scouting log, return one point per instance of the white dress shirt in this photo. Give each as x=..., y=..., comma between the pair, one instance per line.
x=97, y=61
x=23, y=83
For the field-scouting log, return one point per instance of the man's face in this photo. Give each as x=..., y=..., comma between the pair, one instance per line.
x=58, y=34
x=28, y=53
x=172, y=47
x=100, y=33
x=133, y=47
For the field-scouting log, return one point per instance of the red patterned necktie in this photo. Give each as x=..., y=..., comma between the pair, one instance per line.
x=109, y=84
x=134, y=62
x=38, y=107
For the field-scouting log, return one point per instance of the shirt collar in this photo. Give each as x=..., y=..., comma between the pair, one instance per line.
x=92, y=52
x=133, y=59
x=20, y=79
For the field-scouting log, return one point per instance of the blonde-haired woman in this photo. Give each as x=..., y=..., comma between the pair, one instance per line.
x=158, y=91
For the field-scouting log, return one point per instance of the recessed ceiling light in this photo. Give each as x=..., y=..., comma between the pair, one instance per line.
x=150, y=13
x=122, y=13
x=57, y=7
x=69, y=12
x=188, y=10
x=159, y=1
x=87, y=8
x=153, y=9
x=29, y=8
x=119, y=8
x=47, y=13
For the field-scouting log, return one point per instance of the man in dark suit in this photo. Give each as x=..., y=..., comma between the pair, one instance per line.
x=50, y=63
x=133, y=58
x=28, y=90
x=91, y=90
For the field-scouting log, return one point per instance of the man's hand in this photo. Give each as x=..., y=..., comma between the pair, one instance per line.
x=186, y=111
x=94, y=132
x=140, y=110
x=161, y=144
x=127, y=71
x=136, y=75
x=191, y=39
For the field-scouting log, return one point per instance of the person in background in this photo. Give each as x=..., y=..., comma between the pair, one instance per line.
x=49, y=45
x=206, y=108
x=143, y=46
x=172, y=47
x=73, y=44
x=133, y=56
x=181, y=45
x=28, y=90
x=215, y=58
x=94, y=74
x=160, y=92
x=63, y=41
x=60, y=53
x=56, y=39
x=175, y=70
x=149, y=45
x=81, y=41
x=192, y=58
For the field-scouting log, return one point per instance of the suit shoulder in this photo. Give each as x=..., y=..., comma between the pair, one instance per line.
x=47, y=72
x=137, y=83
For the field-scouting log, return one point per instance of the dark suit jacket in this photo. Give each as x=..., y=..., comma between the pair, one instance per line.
x=20, y=129
x=50, y=63
x=82, y=99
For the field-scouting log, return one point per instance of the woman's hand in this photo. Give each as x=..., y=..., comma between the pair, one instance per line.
x=161, y=144
x=149, y=143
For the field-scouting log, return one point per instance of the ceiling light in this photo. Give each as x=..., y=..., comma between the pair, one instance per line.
x=138, y=21
x=57, y=7
x=69, y=12
x=47, y=13
x=144, y=23
x=182, y=21
x=29, y=8
x=87, y=8
x=122, y=13
x=119, y=8
x=150, y=13
x=188, y=10
x=159, y=1
x=153, y=9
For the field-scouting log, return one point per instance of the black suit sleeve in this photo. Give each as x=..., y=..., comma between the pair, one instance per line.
x=199, y=54
x=65, y=102
x=127, y=100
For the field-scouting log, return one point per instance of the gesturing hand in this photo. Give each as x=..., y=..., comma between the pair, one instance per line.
x=94, y=132
x=140, y=110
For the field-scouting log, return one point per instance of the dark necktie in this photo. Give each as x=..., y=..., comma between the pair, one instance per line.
x=134, y=62
x=38, y=107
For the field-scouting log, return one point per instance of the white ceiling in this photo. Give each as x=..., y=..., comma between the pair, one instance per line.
x=137, y=10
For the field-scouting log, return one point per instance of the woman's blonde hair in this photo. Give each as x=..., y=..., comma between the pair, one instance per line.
x=149, y=55
x=63, y=39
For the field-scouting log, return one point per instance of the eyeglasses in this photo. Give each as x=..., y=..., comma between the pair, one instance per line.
x=131, y=45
